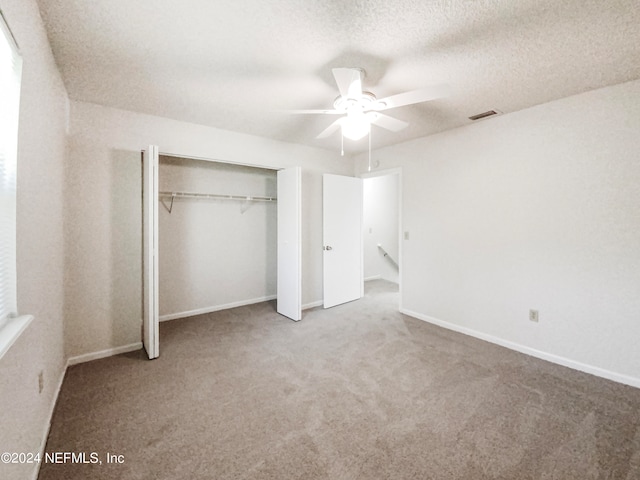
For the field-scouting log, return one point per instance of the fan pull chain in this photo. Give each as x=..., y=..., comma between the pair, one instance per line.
x=342, y=145
x=369, y=148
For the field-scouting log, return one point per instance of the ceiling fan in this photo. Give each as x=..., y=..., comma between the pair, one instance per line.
x=359, y=109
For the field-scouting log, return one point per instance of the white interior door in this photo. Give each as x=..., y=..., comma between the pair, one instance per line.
x=342, y=239
x=289, y=243
x=150, y=323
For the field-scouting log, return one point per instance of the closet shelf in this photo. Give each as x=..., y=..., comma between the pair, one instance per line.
x=214, y=196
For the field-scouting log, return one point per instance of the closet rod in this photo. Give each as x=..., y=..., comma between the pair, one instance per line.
x=216, y=196
x=248, y=198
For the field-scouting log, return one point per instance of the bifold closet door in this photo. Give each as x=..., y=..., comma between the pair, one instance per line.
x=150, y=320
x=289, y=292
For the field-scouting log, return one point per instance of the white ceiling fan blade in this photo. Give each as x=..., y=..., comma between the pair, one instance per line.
x=349, y=81
x=330, y=129
x=414, y=96
x=387, y=122
x=326, y=112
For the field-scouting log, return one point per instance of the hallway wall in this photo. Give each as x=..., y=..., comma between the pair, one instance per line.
x=381, y=226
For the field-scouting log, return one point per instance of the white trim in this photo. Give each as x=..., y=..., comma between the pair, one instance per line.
x=216, y=308
x=382, y=173
x=45, y=437
x=4, y=25
x=109, y=352
x=11, y=330
x=374, y=277
x=550, y=357
x=317, y=303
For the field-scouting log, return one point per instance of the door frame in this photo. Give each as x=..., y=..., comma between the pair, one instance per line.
x=384, y=173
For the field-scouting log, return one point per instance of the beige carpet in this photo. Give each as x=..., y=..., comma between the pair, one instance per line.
x=354, y=392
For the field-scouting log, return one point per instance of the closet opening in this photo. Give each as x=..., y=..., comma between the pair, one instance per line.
x=217, y=236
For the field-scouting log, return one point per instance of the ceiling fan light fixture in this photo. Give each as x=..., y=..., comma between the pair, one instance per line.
x=358, y=110
x=355, y=125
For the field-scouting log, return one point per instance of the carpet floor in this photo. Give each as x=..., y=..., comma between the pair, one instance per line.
x=358, y=391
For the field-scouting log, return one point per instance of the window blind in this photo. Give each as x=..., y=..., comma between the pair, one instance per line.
x=10, y=76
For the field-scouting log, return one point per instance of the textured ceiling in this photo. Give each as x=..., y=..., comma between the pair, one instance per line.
x=237, y=65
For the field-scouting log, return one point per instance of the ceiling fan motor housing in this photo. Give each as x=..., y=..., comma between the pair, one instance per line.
x=366, y=102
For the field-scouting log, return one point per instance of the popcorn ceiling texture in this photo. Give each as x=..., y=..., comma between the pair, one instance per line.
x=233, y=65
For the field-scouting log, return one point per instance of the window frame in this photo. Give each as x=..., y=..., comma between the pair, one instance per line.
x=11, y=324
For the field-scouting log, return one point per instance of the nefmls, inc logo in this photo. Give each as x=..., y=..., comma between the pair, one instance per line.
x=72, y=457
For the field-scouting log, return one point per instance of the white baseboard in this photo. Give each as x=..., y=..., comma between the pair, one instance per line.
x=550, y=357
x=200, y=311
x=109, y=352
x=317, y=303
x=215, y=308
x=45, y=436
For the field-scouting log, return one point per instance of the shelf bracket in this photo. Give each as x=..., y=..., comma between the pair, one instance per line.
x=170, y=207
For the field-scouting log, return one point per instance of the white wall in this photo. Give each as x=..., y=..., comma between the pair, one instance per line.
x=215, y=253
x=537, y=209
x=103, y=211
x=41, y=149
x=381, y=226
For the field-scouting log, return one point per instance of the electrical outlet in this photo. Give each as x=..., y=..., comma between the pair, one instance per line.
x=533, y=315
x=40, y=381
